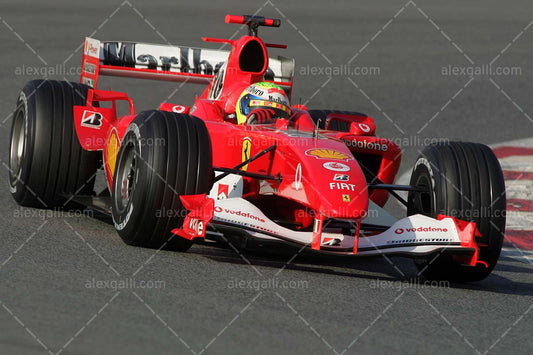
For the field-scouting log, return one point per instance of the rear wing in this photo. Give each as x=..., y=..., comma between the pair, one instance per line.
x=166, y=62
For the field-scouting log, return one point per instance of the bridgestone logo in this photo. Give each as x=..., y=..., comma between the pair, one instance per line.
x=420, y=229
x=91, y=119
x=420, y=241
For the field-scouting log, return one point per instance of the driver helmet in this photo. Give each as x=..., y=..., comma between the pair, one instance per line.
x=262, y=95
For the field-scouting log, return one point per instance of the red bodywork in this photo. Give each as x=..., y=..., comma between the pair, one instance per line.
x=321, y=171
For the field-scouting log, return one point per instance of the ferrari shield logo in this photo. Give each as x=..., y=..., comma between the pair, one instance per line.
x=246, y=149
x=346, y=198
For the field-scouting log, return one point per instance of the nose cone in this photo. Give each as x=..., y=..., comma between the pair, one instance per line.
x=328, y=179
x=341, y=189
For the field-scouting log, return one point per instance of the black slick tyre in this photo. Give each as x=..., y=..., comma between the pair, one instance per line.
x=465, y=181
x=163, y=155
x=46, y=162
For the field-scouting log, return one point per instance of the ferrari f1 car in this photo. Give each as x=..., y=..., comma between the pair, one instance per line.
x=317, y=179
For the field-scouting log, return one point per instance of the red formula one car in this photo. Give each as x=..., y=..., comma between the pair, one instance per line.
x=242, y=164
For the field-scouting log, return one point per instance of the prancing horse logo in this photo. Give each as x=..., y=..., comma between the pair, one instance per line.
x=246, y=148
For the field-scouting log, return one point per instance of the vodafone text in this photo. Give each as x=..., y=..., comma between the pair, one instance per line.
x=363, y=144
x=240, y=213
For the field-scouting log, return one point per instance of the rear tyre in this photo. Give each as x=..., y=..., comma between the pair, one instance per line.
x=319, y=116
x=46, y=161
x=163, y=155
x=465, y=181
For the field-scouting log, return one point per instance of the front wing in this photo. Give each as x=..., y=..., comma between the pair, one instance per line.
x=413, y=236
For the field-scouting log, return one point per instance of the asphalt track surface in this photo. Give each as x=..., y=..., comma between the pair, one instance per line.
x=50, y=265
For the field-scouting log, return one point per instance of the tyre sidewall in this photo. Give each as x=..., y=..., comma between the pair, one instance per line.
x=17, y=179
x=124, y=219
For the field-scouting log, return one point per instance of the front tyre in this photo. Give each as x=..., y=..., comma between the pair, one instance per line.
x=465, y=181
x=163, y=155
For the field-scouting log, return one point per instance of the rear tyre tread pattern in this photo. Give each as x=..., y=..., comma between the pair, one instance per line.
x=54, y=165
